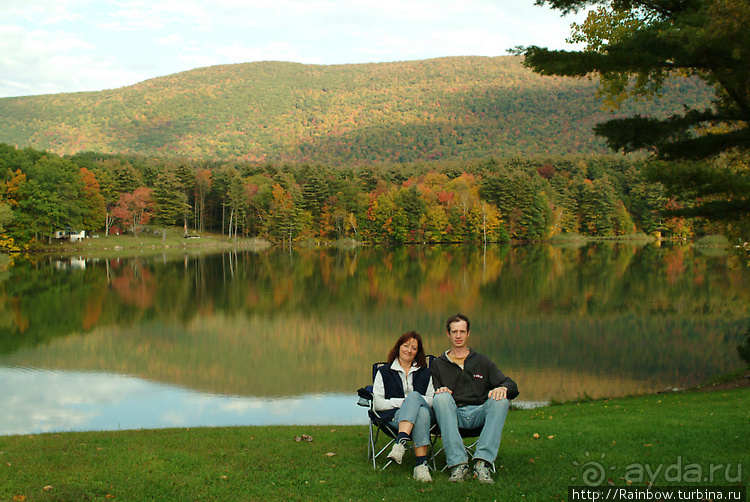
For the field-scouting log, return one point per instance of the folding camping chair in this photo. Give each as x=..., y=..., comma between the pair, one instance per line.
x=377, y=424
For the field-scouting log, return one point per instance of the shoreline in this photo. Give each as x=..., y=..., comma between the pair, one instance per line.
x=737, y=380
x=152, y=240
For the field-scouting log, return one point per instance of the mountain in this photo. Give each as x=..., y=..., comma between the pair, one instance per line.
x=459, y=108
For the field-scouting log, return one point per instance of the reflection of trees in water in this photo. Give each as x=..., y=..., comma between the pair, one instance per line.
x=135, y=285
x=598, y=317
x=743, y=349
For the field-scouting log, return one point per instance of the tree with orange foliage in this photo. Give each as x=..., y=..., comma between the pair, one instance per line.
x=94, y=209
x=134, y=209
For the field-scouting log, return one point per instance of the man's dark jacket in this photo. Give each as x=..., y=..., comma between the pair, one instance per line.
x=472, y=384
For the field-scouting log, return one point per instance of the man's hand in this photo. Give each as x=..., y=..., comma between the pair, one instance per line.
x=498, y=393
x=443, y=389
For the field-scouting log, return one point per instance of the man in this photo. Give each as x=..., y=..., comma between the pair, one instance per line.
x=471, y=392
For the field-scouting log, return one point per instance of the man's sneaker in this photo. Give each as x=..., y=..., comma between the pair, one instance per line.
x=482, y=472
x=422, y=473
x=459, y=473
x=397, y=453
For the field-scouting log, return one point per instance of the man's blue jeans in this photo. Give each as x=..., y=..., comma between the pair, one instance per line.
x=490, y=416
x=415, y=410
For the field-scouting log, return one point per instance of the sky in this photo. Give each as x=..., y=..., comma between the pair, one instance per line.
x=54, y=46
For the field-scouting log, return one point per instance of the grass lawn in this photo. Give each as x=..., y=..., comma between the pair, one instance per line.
x=150, y=241
x=688, y=438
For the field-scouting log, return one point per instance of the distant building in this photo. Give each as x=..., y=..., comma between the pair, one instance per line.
x=73, y=236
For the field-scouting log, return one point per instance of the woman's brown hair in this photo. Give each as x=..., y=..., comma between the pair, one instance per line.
x=420, y=358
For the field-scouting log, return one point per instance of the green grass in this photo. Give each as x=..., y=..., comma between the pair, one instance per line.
x=674, y=435
x=149, y=242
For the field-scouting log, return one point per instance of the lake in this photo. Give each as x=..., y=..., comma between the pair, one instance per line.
x=287, y=336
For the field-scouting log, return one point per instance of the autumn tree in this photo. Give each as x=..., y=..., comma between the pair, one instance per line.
x=435, y=222
x=135, y=209
x=108, y=191
x=92, y=201
x=379, y=219
x=6, y=217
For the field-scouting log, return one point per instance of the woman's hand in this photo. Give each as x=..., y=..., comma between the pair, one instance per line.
x=443, y=389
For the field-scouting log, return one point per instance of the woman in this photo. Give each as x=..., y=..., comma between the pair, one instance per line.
x=402, y=396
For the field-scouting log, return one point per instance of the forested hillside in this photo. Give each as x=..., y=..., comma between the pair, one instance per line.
x=463, y=108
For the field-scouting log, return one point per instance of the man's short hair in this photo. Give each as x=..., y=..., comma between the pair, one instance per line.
x=457, y=318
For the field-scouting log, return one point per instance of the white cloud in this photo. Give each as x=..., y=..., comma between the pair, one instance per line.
x=44, y=401
x=76, y=45
x=43, y=12
x=173, y=40
x=40, y=62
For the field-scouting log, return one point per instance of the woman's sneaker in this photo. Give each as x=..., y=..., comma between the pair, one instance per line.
x=459, y=473
x=482, y=472
x=422, y=473
x=397, y=453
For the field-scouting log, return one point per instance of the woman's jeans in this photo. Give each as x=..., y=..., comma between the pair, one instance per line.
x=415, y=410
x=490, y=416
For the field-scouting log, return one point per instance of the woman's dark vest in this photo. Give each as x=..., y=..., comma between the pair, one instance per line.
x=394, y=388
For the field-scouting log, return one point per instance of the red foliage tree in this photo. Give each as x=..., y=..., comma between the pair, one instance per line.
x=134, y=209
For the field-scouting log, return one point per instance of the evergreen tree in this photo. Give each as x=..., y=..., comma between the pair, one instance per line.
x=170, y=201
x=637, y=47
x=49, y=199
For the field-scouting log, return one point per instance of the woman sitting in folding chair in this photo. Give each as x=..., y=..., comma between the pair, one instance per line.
x=402, y=395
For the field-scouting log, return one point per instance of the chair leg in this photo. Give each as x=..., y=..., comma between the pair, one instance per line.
x=470, y=450
x=387, y=445
x=386, y=464
x=432, y=453
x=371, y=447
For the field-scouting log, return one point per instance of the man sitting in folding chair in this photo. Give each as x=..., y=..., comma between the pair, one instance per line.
x=471, y=392
x=402, y=395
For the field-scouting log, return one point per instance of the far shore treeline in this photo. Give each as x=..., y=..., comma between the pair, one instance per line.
x=496, y=199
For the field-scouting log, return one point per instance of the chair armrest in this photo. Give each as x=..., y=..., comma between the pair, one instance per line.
x=365, y=396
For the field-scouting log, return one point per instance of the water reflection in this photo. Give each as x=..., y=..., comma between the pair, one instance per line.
x=276, y=329
x=48, y=401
